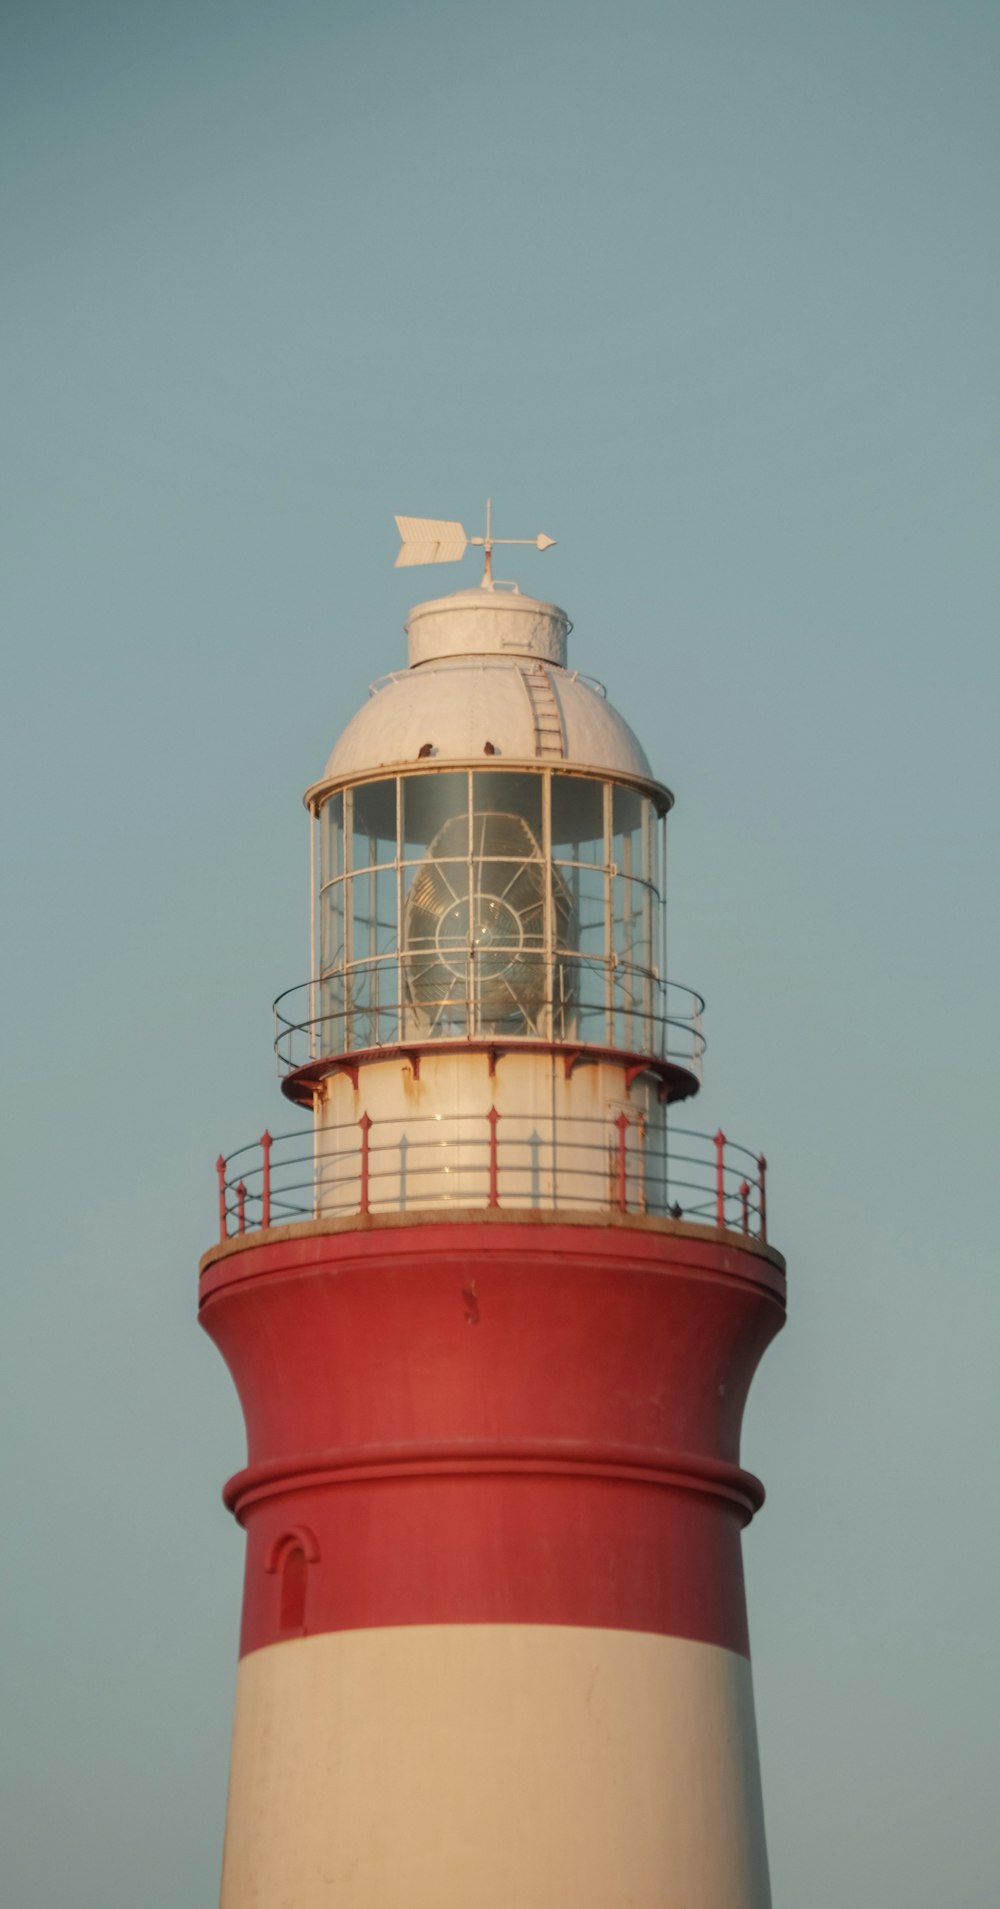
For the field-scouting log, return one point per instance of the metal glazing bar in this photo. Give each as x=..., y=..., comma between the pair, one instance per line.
x=548, y=925
x=314, y=826
x=400, y=1003
x=662, y=872
x=471, y=1010
x=348, y=908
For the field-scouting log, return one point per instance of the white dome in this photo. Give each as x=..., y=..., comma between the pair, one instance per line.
x=483, y=671
x=459, y=707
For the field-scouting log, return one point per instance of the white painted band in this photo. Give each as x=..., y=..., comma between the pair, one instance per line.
x=494, y=1767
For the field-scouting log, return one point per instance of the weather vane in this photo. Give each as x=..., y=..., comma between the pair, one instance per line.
x=432, y=540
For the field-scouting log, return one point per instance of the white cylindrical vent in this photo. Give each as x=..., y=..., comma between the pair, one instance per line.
x=487, y=623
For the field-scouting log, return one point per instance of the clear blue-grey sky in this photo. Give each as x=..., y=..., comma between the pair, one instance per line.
x=711, y=294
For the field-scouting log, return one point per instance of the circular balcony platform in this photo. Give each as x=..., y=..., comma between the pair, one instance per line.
x=675, y=1082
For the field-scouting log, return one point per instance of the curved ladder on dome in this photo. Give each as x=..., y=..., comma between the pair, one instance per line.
x=550, y=740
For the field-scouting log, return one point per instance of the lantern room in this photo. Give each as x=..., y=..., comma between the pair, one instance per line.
x=489, y=892
x=508, y=903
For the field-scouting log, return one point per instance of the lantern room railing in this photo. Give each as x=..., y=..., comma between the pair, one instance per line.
x=617, y=1165
x=593, y=1004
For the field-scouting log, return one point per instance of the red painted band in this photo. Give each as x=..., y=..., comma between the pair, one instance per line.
x=535, y=1548
x=505, y=1423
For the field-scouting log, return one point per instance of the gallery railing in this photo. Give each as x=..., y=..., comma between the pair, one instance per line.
x=619, y=1165
x=593, y=1003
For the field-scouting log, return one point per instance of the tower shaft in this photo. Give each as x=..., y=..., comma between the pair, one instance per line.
x=494, y=1639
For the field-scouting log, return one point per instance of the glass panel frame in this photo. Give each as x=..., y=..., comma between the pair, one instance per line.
x=533, y=899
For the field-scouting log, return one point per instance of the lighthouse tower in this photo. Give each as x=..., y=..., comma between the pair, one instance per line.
x=492, y=1310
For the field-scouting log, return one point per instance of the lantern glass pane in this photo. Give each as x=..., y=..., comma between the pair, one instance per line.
x=332, y=838
x=496, y=793
x=373, y=827
x=432, y=803
x=627, y=832
x=578, y=820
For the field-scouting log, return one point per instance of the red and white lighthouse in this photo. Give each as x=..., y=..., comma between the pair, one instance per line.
x=492, y=1312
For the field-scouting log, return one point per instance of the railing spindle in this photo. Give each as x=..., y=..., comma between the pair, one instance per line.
x=720, y=1178
x=762, y=1187
x=621, y=1188
x=241, y=1206
x=365, y=1124
x=266, y=1143
x=745, y=1203
x=494, y=1199
x=220, y=1168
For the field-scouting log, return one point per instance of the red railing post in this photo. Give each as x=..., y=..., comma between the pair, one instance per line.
x=621, y=1188
x=241, y=1207
x=762, y=1188
x=494, y=1199
x=266, y=1143
x=365, y=1124
x=220, y=1168
x=745, y=1203
x=720, y=1178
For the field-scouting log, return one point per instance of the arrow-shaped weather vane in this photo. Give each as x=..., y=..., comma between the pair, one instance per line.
x=432, y=540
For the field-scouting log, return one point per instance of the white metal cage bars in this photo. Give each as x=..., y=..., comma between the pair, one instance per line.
x=528, y=893
x=623, y=1164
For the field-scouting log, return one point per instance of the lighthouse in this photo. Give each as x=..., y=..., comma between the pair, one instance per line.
x=492, y=1306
